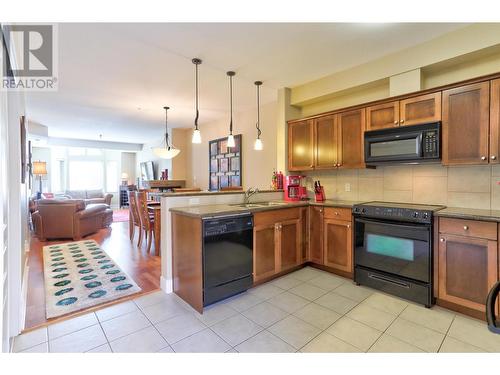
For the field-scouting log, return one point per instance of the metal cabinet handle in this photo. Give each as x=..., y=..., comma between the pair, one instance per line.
x=348, y=226
x=442, y=240
x=493, y=157
x=483, y=158
x=336, y=213
x=466, y=227
x=320, y=210
x=402, y=121
x=396, y=122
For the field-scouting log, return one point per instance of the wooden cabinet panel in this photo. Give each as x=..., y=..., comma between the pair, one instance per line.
x=338, y=213
x=350, y=133
x=494, y=121
x=325, y=142
x=289, y=246
x=421, y=109
x=466, y=124
x=338, y=244
x=300, y=145
x=316, y=234
x=275, y=216
x=304, y=239
x=382, y=116
x=468, y=268
x=264, y=252
x=468, y=228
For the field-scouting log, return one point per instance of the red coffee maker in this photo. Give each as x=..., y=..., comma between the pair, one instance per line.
x=294, y=191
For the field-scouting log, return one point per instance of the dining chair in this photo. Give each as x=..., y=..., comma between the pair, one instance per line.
x=134, y=218
x=146, y=218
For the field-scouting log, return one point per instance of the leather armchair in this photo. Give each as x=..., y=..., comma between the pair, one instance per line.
x=69, y=218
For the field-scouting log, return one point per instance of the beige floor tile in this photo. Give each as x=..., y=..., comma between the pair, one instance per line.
x=71, y=325
x=415, y=334
x=354, y=292
x=180, y=327
x=264, y=342
x=451, y=345
x=354, y=333
x=434, y=318
x=214, y=314
x=328, y=281
x=389, y=344
x=147, y=340
x=116, y=310
x=326, y=343
x=288, y=302
x=266, y=291
x=243, y=301
x=306, y=273
x=308, y=291
x=294, y=331
x=386, y=303
x=79, y=341
x=336, y=303
x=371, y=316
x=265, y=314
x=317, y=315
x=40, y=348
x=163, y=311
x=30, y=339
x=474, y=332
x=167, y=349
x=286, y=282
x=124, y=325
x=204, y=341
x=153, y=298
x=101, y=349
x=236, y=329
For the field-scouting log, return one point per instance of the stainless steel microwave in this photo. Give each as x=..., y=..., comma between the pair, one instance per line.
x=404, y=144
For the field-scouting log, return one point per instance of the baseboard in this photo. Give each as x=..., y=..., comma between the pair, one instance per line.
x=166, y=285
x=24, y=294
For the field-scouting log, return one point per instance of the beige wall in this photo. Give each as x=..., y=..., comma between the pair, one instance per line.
x=181, y=138
x=470, y=186
x=128, y=166
x=257, y=165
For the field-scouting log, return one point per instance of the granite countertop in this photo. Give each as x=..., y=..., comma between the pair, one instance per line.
x=227, y=209
x=469, y=214
x=205, y=192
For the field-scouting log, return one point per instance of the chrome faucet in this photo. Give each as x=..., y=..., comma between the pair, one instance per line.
x=250, y=191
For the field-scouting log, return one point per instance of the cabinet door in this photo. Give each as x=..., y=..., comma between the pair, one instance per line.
x=316, y=234
x=421, y=109
x=304, y=239
x=468, y=268
x=300, y=146
x=466, y=124
x=494, y=121
x=338, y=244
x=351, y=129
x=325, y=142
x=289, y=244
x=382, y=116
x=264, y=250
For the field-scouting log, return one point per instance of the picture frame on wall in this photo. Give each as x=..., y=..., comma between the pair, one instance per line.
x=225, y=163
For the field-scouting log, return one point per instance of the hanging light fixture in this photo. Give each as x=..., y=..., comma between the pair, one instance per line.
x=196, y=132
x=166, y=152
x=258, y=142
x=230, y=137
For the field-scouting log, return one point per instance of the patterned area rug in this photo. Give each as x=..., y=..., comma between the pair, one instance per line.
x=79, y=275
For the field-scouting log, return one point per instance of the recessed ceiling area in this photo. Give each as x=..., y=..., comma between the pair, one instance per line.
x=114, y=79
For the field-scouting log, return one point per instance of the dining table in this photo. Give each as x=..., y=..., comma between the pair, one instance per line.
x=154, y=208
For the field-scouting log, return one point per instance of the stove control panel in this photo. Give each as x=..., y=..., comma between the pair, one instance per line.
x=394, y=213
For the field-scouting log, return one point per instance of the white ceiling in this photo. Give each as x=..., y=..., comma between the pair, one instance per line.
x=114, y=79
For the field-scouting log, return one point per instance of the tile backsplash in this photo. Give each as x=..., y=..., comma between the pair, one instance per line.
x=461, y=186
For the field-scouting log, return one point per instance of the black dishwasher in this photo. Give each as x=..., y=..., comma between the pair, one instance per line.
x=227, y=256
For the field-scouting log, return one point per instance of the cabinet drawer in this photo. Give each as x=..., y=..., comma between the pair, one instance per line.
x=468, y=228
x=338, y=213
x=276, y=216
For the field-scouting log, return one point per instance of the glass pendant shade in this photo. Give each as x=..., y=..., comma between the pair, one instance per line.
x=196, y=136
x=258, y=145
x=166, y=153
x=230, y=141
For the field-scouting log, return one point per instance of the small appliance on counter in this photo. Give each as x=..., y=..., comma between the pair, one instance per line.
x=319, y=192
x=294, y=191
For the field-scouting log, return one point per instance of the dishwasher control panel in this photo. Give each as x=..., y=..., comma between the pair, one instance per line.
x=227, y=224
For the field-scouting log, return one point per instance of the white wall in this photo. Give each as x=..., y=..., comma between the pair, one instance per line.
x=42, y=154
x=129, y=166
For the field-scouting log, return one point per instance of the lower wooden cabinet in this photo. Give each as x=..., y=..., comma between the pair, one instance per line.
x=337, y=244
x=467, y=266
x=264, y=248
x=316, y=234
x=304, y=239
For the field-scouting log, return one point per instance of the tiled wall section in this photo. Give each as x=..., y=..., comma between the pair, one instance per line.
x=470, y=186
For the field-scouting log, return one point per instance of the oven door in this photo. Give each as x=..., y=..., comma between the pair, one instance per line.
x=403, y=146
x=399, y=249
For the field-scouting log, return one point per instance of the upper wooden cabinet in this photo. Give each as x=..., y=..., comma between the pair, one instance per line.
x=325, y=129
x=495, y=121
x=420, y=109
x=466, y=124
x=301, y=145
x=382, y=116
x=350, y=135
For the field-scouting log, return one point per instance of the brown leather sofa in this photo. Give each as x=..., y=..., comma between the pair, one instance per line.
x=69, y=218
x=90, y=196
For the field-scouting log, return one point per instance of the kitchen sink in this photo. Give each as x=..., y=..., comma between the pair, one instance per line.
x=259, y=204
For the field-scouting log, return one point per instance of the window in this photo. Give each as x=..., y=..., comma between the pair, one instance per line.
x=86, y=175
x=58, y=176
x=112, y=176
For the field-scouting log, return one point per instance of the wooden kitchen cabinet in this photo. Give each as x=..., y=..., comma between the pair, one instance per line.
x=264, y=248
x=289, y=240
x=494, y=121
x=382, y=116
x=420, y=109
x=304, y=239
x=350, y=135
x=467, y=265
x=301, y=145
x=325, y=147
x=465, y=125
x=316, y=234
x=338, y=244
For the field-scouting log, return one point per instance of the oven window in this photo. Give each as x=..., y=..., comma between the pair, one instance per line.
x=394, y=148
x=390, y=246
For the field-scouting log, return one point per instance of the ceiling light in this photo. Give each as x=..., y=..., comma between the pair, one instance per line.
x=258, y=142
x=166, y=152
x=196, y=132
x=230, y=137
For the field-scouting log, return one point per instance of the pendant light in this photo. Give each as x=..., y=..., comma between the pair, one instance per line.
x=196, y=132
x=166, y=152
x=230, y=137
x=258, y=142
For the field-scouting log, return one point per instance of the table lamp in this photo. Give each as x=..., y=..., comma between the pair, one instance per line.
x=39, y=169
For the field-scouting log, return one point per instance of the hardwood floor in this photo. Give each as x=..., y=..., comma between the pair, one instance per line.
x=143, y=267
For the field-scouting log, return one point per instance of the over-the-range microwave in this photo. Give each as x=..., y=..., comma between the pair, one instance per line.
x=404, y=144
